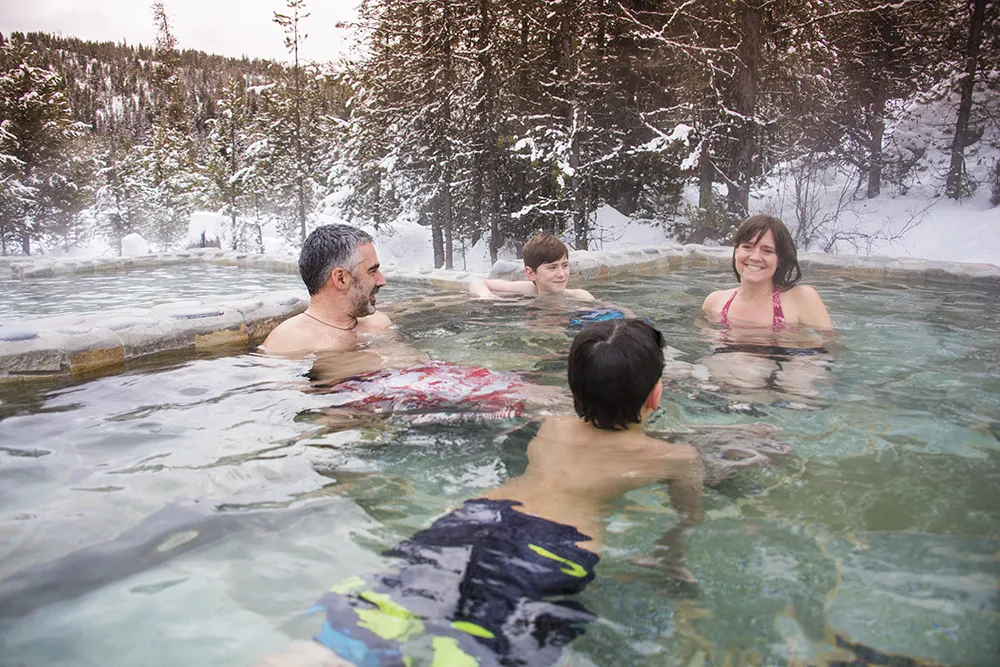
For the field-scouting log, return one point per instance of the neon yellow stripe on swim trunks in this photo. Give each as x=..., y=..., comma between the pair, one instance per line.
x=391, y=620
x=572, y=569
x=448, y=654
x=473, y=629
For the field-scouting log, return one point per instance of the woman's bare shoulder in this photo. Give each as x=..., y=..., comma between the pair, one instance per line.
x=803, y=295
x=713, y=302
x=804, y=291
x=809, y=304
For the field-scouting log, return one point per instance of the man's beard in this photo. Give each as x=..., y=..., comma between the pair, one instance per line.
x=361, y=305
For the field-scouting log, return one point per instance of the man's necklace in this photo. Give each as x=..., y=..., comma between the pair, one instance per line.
x=333, y=326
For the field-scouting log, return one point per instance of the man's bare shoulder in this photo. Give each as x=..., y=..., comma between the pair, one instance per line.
x=286, y=338
x=669, y=450
x=297, y=336
x=377, y=321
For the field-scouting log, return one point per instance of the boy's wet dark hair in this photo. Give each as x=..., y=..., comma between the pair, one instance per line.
x=751, y=231
x=612, y=368
x=326, y=248
x=542, y=249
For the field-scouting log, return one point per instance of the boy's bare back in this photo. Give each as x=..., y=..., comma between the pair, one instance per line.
x=575, y=470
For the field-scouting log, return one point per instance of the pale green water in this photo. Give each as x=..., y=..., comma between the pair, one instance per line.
x=882, y=528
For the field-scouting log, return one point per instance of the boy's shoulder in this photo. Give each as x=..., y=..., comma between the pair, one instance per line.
x=580, y=294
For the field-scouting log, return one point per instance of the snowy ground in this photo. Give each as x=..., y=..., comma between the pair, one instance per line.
x=895, y=226
x=911, y=218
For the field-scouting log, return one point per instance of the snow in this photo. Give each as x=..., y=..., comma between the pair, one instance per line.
x=134, y=245
x=911, y=218
x=205, y=229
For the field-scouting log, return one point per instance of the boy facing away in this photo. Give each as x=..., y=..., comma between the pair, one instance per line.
x=484, y=585
x=546, y=267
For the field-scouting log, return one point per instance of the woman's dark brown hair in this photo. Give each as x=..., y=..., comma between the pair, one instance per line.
x=751, y=231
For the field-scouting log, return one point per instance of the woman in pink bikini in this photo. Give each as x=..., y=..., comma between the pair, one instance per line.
x=766, y=316
x=767, y=269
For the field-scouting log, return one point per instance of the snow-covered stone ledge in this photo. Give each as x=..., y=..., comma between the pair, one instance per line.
x=598, y=264
x=38, y=267
x=79, y=344
x=41, y=267
x=587, y=265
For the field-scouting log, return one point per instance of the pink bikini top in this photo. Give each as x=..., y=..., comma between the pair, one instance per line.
x=777, y=323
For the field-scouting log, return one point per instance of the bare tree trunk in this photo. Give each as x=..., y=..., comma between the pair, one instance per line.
x=299, y=158
x=489, y=193
x=437, y=237
x=705, y=176
x=446, y=200
x=741, y=167
x=875, y=148
x=573, y=113
x=447, y=218
x=953, y=187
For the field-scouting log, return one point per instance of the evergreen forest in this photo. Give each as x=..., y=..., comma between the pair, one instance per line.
x=483, y=120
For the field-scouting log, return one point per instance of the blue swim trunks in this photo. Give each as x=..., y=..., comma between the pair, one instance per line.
x=594, y=315
x=476, y=588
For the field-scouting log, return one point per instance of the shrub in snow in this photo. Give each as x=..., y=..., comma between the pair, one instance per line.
x=700, y=225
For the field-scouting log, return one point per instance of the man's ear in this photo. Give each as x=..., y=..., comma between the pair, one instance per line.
x=655, y=394
x=529, y=273
x=340, y=278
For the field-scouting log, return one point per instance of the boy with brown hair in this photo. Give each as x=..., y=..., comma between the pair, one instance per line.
x=486, y=584
x=546, y=267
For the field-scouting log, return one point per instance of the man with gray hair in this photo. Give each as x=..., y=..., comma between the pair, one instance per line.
x=339, y=266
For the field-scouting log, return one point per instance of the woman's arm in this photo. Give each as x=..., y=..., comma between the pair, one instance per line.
x=811, y=309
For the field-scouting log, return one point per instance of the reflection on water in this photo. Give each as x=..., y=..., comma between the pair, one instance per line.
x=192, y=513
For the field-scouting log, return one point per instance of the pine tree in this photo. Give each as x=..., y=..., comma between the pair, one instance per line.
x=37, y=127
x=175, y=186
x=299, y=151
x=237, y=153
x=69, y=193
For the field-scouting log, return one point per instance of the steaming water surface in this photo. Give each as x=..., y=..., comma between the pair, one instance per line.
x=142, y=288
x=234, y=507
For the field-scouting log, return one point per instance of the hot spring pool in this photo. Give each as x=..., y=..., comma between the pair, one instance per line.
x=239, y=509
x=144, y=287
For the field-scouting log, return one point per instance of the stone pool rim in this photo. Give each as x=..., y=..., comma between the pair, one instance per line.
x=71, y=345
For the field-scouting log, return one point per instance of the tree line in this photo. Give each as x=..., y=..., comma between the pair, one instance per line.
x=484, y=120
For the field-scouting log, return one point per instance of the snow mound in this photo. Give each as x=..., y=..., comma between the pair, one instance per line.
x=133, y=245
x=615, y=231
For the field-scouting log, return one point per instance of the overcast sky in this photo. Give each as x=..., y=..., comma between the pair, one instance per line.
x=226, y=27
